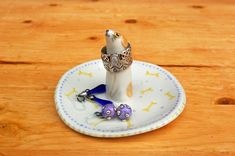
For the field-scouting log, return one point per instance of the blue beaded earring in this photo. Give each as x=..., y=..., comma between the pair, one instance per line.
x=109, y=111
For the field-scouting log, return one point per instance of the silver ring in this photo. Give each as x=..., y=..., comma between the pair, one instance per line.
x=117, y=62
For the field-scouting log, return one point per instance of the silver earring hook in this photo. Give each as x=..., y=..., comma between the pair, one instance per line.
x=82, y=96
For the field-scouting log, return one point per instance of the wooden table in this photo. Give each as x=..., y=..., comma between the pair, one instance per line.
x=40, y=40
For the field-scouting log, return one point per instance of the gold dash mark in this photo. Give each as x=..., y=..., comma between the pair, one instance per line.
x=98, y=122
x=152, y=74
x=129, y=124
x=93, y=103
x=129, y=90
x=85, y=73
x=71, y=92
x=146, y=90
x=169, y=95
x=149, y=106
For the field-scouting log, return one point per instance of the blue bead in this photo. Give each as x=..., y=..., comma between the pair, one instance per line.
x=97, y=90
x=101, y=101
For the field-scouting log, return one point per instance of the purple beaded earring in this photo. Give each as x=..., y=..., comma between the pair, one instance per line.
x=124, y=112
x=108, y=111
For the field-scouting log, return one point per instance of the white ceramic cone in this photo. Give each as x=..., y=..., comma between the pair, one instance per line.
x=119, y=84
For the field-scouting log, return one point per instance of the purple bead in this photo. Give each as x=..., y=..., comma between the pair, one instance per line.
x=108, y=111
x=124, y=112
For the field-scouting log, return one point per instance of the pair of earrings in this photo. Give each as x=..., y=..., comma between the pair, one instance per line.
x=108, y=111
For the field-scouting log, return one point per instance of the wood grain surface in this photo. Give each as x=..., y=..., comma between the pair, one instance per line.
x=40, y=40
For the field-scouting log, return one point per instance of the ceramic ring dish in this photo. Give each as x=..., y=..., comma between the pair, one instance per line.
x=158, y=98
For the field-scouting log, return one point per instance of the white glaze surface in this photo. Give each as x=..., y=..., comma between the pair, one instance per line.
x=158, y=98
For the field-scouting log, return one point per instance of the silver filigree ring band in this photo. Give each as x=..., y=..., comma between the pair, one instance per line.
x=117, y=62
